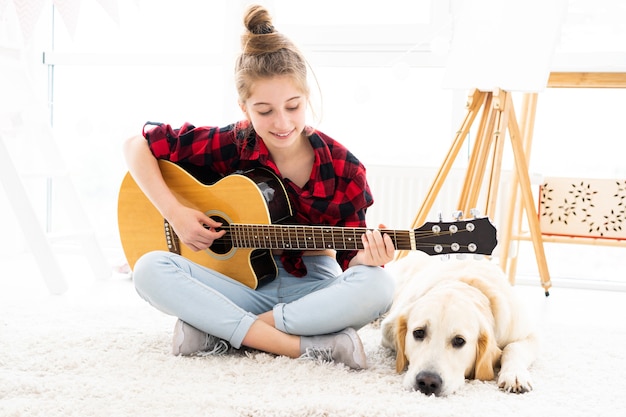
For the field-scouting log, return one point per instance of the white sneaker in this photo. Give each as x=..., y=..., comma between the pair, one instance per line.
x=188, y=340
x=342, y=347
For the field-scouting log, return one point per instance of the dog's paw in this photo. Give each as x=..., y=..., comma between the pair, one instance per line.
x=516, y=382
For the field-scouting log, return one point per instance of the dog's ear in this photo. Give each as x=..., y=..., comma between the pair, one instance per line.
x=487, y=356
x=401, y=329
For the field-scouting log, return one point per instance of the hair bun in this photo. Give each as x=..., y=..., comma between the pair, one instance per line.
x=258, y=20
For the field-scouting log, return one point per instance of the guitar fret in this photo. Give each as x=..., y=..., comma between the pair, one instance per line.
x=312, y=238
x=293, y=240
x=262, y=236
x=233, y=235
x=305, y=241
x=305, y=238
x=287, y=241
x=296, y=240
x=262, y=232
x=352, y=240
x=240, y=235
x=252, y=235
x=302, y=244
x=259, y=236
x=314, y=233
x=282, y=238
x=295, y=243
x=247, y=240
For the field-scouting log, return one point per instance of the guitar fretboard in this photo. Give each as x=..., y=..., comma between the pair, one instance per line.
x=293, y=237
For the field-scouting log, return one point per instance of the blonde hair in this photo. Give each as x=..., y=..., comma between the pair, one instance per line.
x=266, y=53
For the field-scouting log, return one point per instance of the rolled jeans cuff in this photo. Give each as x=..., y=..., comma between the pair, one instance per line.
x=279, y=321
x=242, y=329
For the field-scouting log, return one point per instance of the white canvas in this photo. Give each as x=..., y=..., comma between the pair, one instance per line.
x=506, y=44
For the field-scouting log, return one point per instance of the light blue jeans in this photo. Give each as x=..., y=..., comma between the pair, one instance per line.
x=324, y=301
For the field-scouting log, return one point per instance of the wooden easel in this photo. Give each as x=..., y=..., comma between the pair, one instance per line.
x=485, y=163
x=513, y=231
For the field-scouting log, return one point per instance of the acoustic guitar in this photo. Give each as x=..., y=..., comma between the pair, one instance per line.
x=252, y=207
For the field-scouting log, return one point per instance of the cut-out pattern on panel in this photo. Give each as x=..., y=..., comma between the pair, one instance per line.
x=583, y=207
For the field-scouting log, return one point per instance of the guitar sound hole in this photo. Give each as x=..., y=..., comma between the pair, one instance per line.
x=224, y=244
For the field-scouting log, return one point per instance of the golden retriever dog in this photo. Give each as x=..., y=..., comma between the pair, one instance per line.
x=456, y=320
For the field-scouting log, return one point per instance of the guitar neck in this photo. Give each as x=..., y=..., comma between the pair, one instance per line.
x=292, y=237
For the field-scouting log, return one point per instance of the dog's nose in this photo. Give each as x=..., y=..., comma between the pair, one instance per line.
x=428, y=383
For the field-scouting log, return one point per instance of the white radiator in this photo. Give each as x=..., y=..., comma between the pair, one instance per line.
x=399, y=192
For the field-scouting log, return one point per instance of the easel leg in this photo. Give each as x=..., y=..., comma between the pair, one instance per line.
x=499, y=136
x=476, y=167
x=527, y=198
x=515, y=210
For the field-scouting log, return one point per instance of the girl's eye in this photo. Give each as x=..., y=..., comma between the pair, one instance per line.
x=290, y=109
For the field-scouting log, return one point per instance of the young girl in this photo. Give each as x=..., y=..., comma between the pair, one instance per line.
x=319, y=298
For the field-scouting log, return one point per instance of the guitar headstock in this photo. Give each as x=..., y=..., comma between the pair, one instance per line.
x=470, y=236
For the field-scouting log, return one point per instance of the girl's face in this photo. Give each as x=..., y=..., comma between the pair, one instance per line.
x=276, y=108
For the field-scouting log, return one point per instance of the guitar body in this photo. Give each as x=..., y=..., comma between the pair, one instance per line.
x=256, y=196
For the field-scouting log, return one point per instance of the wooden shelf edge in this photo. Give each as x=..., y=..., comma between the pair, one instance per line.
x=572, y=239
x=587, y=80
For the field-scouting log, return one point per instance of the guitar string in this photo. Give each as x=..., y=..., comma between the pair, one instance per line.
x=301, y=230
x=329, y=229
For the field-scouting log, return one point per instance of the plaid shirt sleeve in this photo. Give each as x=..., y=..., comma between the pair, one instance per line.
x=201, y=146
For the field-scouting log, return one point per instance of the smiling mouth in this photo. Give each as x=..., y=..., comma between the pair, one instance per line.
x=283, y=135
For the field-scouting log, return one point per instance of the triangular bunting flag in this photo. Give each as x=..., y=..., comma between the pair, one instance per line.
x=69, y=11
x=28, y=12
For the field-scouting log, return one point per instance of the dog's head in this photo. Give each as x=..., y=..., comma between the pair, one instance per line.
x=444, y=337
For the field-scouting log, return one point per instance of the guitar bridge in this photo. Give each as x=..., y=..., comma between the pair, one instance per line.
x=171, y=238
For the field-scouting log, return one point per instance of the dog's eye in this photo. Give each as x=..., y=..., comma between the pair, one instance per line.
x=458, y=342
x=419, y=334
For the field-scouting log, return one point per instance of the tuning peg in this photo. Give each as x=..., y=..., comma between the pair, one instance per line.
x=461, y=256
x=440, y=216
x=445, y=258
x=457, y=215
x=475, y=213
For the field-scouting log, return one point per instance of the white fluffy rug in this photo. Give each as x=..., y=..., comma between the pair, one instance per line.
x=103, y=351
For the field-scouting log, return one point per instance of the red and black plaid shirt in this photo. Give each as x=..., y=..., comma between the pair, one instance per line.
x=337, y=193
